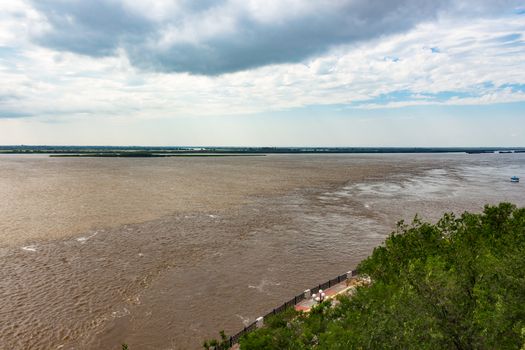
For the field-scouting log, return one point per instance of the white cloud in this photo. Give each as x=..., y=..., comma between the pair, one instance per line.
x=473, y=61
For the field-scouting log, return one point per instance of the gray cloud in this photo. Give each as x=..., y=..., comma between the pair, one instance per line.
x=94, y=27
x=256, y=44
x=215, y=37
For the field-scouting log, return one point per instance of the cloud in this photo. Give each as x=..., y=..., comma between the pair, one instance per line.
x=7, y=102
x=213, y=37
x=93, y=28
x=481, y=61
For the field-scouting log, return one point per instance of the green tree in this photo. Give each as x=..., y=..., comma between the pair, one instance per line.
x=456, y=284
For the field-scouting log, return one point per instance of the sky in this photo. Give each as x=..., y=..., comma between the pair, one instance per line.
x=384, y=73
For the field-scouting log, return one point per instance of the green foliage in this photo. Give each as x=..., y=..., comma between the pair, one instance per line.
x=458, y=284
x=223, y=343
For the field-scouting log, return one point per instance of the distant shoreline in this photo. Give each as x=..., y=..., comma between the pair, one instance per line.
x=180, y=151
x=149, y=155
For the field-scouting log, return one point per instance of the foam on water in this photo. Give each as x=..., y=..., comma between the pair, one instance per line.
x=245, y=320
x=84, y=239
x=434, y=183
x=120, y=313
x=29, y=248
x=261, y=287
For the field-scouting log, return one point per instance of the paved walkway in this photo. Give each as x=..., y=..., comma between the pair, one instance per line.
x=347, y=286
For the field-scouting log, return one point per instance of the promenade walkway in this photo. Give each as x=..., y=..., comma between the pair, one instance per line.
x=344, y=287
x=347, y=285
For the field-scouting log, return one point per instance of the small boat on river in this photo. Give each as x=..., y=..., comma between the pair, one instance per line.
x=514, y=179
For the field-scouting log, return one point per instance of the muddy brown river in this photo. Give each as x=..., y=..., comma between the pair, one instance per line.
x=161, y=253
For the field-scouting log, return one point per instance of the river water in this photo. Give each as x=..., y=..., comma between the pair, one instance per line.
x=161, y=253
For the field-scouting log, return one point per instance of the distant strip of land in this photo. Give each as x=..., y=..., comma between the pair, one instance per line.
x=131, y=154
x=182, y=151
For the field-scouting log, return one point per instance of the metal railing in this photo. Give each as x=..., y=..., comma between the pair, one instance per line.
x=234, y=339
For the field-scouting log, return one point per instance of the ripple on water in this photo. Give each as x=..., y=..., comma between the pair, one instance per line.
x=135, y=283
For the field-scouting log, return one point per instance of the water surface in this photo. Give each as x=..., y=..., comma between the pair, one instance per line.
x=161, y=253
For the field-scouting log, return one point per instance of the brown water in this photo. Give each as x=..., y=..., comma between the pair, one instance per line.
x=162, y=253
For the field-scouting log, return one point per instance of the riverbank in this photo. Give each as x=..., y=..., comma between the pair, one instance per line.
x=457, y=283
x=150, y=155
x=345, y=285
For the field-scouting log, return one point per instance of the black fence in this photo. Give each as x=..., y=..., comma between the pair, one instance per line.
x=234, y=339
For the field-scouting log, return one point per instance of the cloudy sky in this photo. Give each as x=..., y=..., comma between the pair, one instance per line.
x=272, y=72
